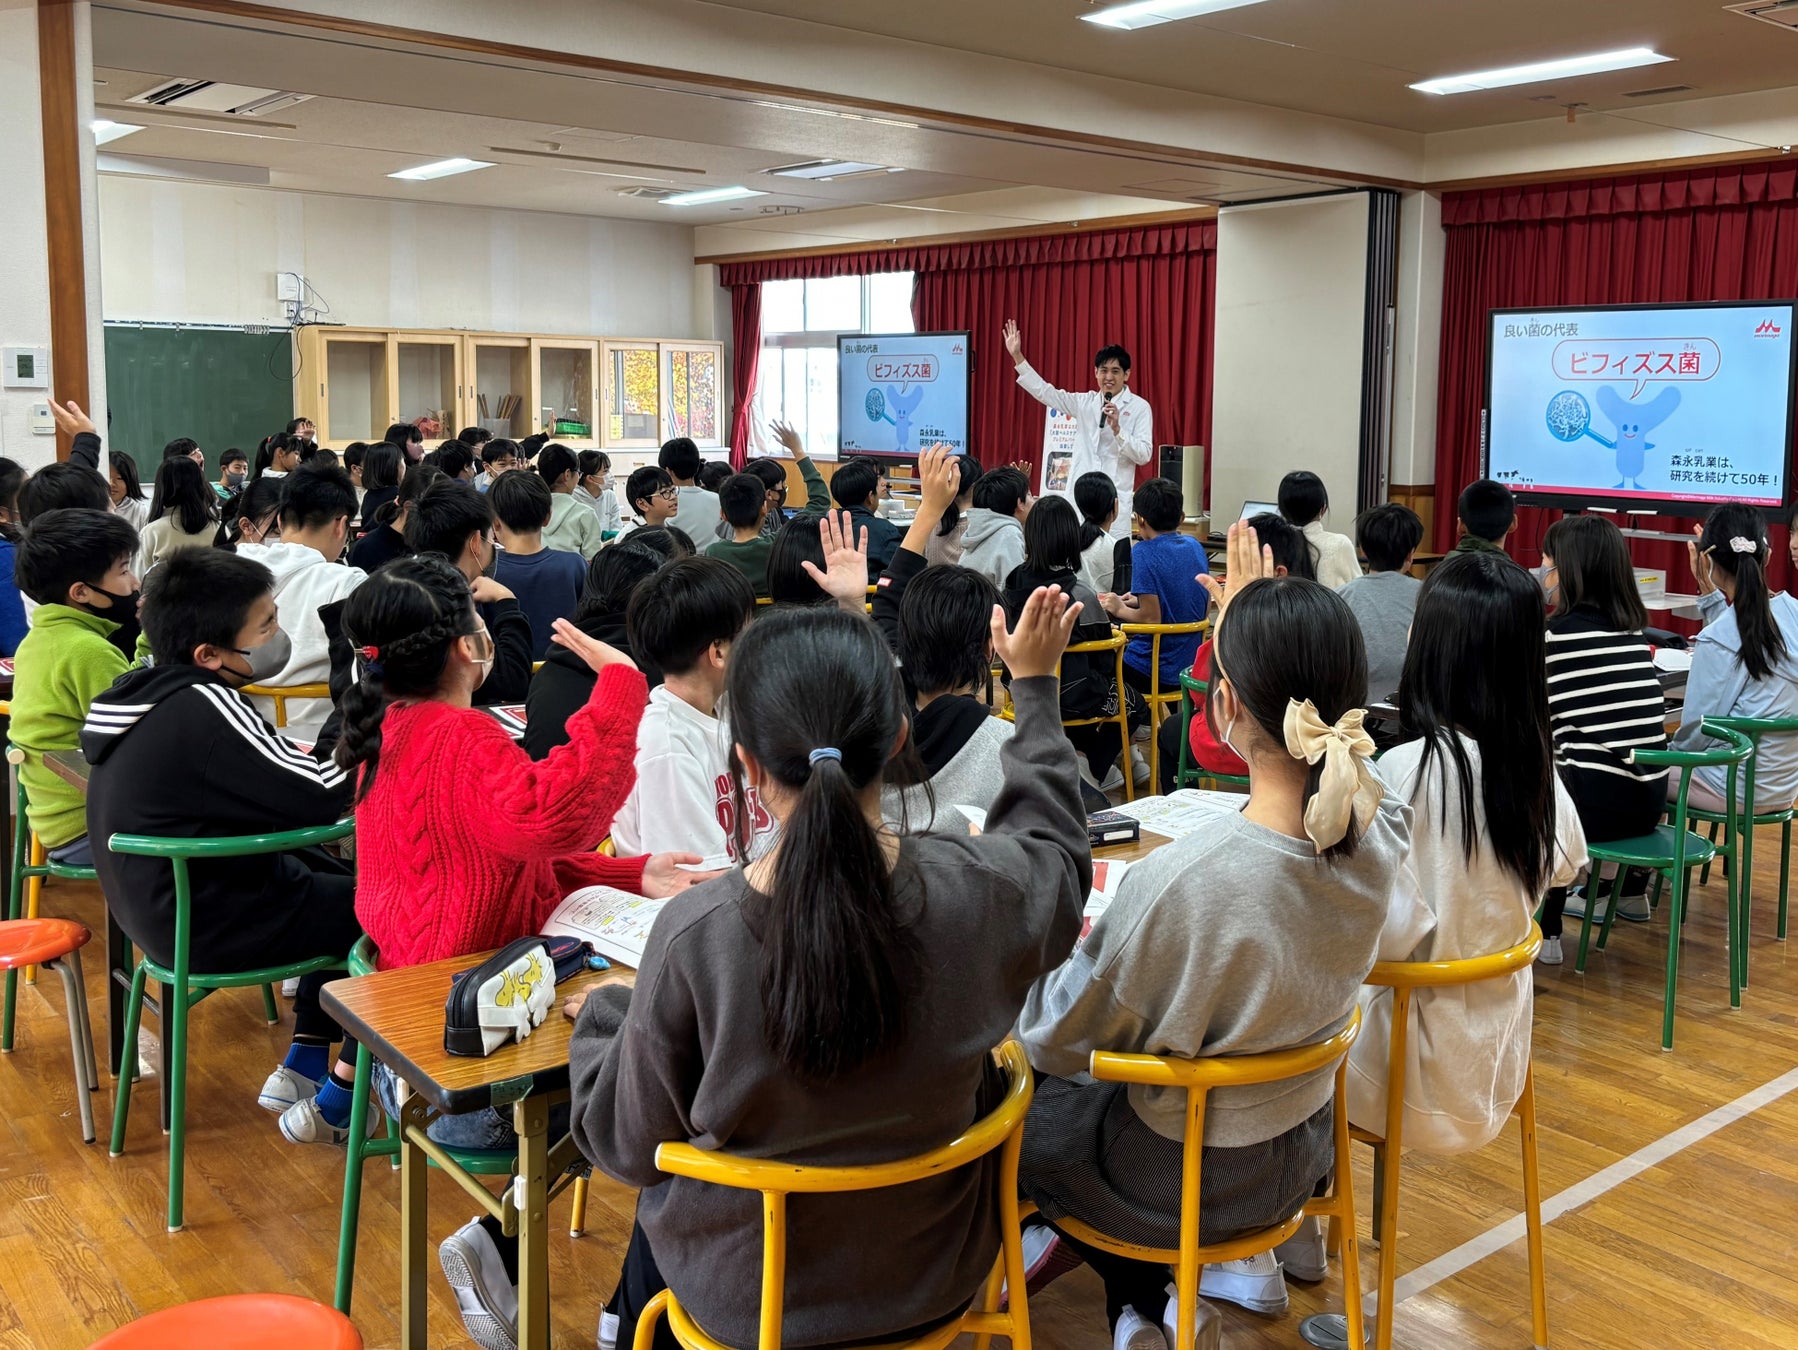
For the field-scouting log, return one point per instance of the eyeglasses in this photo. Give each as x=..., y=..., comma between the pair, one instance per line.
x=669, y=493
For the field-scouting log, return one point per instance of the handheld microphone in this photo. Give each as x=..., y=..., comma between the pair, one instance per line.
x=1105, y=394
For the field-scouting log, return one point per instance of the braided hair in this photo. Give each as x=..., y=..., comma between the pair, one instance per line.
x=401, y=621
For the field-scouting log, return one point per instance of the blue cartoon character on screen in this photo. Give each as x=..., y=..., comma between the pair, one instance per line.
x=1570, y=417
x=902, y=406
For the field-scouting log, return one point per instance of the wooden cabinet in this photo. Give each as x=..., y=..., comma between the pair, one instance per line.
x=620, y=393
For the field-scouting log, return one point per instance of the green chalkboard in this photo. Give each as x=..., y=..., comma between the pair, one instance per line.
x=222, y=387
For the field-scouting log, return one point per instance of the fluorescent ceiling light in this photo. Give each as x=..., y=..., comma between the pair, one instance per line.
x=1148, y=13
x=1627, y=59
x=860, y=117
x=823, y=170
x=705, y=196
x=442, y=168
x=106, y=132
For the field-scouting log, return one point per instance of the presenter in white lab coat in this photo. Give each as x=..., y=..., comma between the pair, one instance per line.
x=1114, y=429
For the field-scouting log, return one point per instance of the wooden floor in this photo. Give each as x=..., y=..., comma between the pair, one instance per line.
x=1697, y=1250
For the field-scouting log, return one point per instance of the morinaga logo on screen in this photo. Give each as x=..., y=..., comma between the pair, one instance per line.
x=1767, y=329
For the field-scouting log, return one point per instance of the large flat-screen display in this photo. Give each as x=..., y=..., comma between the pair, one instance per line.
x=1661, y=407
x=897, y=393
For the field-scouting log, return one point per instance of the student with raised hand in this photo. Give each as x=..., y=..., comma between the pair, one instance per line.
x=184, y=513
x=435, y=880
x=546, y=581
x=177, y=751
x=128, y=500
x=1493, y=830
x=836, y=1001
x=1304, y=502
x=1604, y=704
x=832, y=577
x=774, y=479
x=937, y=619
x=453, y=519
x=1249, y=936
x=946, y=541
x=572, y=528
x=564, y=682
x=1744, y=661
x=316, y=506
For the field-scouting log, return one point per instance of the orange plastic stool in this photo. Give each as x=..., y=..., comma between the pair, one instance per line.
x=55, y=944
x=239, y=1322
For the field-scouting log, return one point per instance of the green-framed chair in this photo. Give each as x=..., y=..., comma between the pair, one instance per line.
x=181, y=988
x=1673, y=851
x=1753, y=728
x=360, y=1148
x=1190, y=774
x=1161, y=701
x=30, y=865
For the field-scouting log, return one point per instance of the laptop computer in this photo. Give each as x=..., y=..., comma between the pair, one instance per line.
x=1259, y=509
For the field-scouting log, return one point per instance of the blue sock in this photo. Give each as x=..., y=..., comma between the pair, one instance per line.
x=309, y=1061
x=334, y=1101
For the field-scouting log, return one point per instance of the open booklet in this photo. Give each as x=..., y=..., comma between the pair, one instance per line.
x=1108, y=874
x=616, y=922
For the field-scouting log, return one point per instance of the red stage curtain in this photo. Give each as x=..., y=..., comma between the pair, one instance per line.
x=1151, y=289
x=1711, y=234
x=746, y=357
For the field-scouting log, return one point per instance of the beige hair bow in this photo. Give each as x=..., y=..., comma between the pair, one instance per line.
x=1347, y=791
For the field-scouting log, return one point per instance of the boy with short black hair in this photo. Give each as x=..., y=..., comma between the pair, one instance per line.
x=712, y=476
x=696, y=510
x=1384, y=599
x=498, y=457
x=856, y=487
x=547, y=581
x=453, y=519
x=994, y=542
x=1487, y=511
x=317, y=504
x=76, y=565
x=178, y=752
x=683, y=620
x=1164, y=567
x=744, y=499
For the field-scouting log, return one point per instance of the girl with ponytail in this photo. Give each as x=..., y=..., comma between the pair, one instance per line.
x=463, y=842
x=1745, y=662
x=837, y=999
x=1250, y=935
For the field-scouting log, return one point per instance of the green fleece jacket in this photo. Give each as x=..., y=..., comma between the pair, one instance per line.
x=64, y=662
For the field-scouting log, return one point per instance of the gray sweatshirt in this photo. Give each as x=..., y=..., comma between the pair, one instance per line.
x=1232, y=941
x=1383, y=603
x=993, y=544
x=973, y=778
x=993, y=914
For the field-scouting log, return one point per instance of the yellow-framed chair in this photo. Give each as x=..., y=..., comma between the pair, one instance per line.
x=1404, y=978
x=1198, y=1078
x=1115, y=645
x=1002, y=1129
x=282, y=693
x=1161, y=701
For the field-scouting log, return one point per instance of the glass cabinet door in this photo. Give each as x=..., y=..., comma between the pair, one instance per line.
x=633, y=396
x=498, y=371
x=356, y=394
x=564, y=384
x=690, y=394
x=428, y=382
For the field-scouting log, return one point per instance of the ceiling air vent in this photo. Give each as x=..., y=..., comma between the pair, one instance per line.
x=1656, y=93
x=651, y=194
x=1780, y=13
x=210, y=96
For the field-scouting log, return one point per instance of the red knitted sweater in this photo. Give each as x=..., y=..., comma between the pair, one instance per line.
x=466, y=843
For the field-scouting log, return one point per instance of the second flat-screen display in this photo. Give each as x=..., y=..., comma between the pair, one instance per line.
x=1644, y=406
x=897, y=393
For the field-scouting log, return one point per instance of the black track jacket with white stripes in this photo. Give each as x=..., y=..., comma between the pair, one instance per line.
x=176, y=751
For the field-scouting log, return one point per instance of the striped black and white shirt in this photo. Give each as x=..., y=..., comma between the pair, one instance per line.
x=1604, y=701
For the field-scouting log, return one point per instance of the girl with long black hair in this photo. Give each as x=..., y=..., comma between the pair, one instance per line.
x=1745, y=662
x=1493, y=828
x=836, y=1000
x=1104, y=561
x=184, y=513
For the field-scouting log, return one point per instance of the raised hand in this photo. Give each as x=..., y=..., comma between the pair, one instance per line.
x=1248, y=559
x=845, y=574
x=598, y=655
x=789, y=439
x=1044, y=625
x=1014, y=342
x=939, y=479
x=70, y=420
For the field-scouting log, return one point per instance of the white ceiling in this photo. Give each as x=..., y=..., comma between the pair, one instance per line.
x=1354, y=58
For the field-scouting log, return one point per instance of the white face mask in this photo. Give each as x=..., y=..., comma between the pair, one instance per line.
x=1225, y=730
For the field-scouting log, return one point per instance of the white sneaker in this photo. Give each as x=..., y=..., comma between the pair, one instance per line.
x=1207, y=1327
x=1136, y=1332
x=304, y=1123
x=608, y=1331
x=1139, y=767
x=290, y=987
x=1142, y=735
x=1550, y=955
x=1302, y=1255
x=1577, y=902
x=487, y=1299
x=1634, y=908
x=1113, y=779
x=284, y=1089
x=1253, y=1283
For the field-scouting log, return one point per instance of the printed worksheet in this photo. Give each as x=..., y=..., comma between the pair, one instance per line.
x=616, y=922
x=1181, y=813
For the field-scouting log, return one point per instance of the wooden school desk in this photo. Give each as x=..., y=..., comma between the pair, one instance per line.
x=398, y=1015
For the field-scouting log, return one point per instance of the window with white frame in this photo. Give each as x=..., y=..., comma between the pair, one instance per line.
x=796, y=380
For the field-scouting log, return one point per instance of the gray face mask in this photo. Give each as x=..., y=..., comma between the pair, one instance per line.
x=265, y=661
